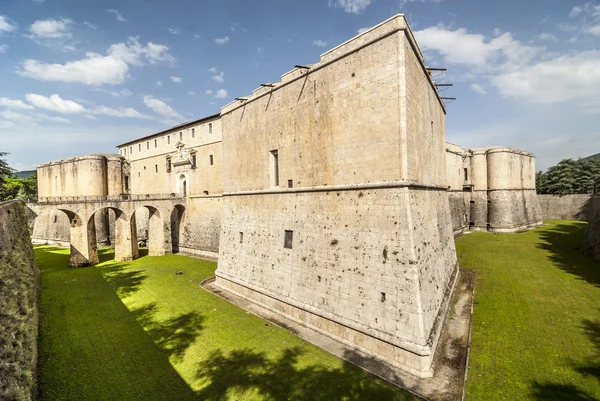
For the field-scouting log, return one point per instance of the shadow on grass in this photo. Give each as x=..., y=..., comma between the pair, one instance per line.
x=564, y=242
x=569, y=392
x=174, y=335
x=283, y=379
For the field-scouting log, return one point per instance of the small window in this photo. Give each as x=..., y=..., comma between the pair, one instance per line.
x=56, y=218
x=168, y=164
x=193, y=132
x=125, y=151
x=155, y=144
x=148, y=145
x=274, y=168
x=180, y=135
x=144, y=167
x=205, y=192
x=241, y=235
x=466, y=171
x=289, y=239
x=290, y=184
x=139, y=174
x=211, y=159
x=156, y=168
x=130, y=149
x=139, y=147
x=193, y=160
x=168, y=140
x=126, y=183
x=210, y=128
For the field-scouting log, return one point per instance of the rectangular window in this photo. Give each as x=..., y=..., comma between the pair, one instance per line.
x=180, y=135
x=139, y=147
x=289, y=239
x=126, y=183
x=193, y=132
x=125, y=151
x=241, y=236
x=210, y=128
x=156, y=168
x=193, y=160
x=466, y=171
x=168, y=165
x=168, y=140
x=274, y=168
x=130, y=149
x=148, y=145
x=290, y=184
x=211, y=159
x=155, y=144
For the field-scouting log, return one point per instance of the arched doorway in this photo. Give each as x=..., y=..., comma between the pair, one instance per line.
x=156, y=239
x=183, y=185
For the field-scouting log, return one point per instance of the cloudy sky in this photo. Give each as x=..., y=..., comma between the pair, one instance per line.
x=83, y=76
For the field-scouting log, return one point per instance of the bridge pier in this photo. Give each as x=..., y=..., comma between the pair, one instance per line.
x=126, y=247
x=159, y=236
x=84, y=251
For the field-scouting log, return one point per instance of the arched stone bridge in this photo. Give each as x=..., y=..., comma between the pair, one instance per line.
x=165, y=214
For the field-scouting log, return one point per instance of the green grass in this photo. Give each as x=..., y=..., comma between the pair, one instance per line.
x=137, y=331
x=536, y=322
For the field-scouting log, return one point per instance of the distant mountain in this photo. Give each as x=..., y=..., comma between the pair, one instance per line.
x=596, y=156
x=24, y=174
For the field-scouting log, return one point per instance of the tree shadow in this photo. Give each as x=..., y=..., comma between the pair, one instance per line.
x=563, y=242
x=569, y=392
x=284, y=378
x=125, y=280
x=174, y=335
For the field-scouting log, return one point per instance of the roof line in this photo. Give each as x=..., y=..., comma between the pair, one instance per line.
x=176, y=127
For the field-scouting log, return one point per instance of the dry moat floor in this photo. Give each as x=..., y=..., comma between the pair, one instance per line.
x=137, y=331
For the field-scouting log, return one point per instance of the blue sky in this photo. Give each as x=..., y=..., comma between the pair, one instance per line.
x=83, y=76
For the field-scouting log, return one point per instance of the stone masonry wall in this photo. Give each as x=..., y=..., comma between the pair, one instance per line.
x=592, y=235
x=18, y=306
x=565, y=207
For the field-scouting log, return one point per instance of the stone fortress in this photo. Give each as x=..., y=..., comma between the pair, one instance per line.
x=330, y=197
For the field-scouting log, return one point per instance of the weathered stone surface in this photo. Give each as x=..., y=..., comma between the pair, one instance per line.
x=566, y=207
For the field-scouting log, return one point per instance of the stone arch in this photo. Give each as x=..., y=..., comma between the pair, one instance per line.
x=50, y=226
x=183, y=185
x=82, y=239
x=177, y=224
x=125, y=240
x=157, y=239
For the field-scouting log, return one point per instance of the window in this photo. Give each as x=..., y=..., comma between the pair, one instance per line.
x=180, y=135
x=290, y=184
x=466, y=171
x=193, y=132
x=144, y=167
x=193, y=160
x=139, y=174
x=168, y=165
x=155, y=144
x=289, y=239
x=156, y=168
x=139, y=147
x=126, y=183
x=148, y=145
x=274, y=168
x=130, y=149
x=210, y=128
x=125, y=151
x=211, y=159
x=168, y=140
x=241, y=235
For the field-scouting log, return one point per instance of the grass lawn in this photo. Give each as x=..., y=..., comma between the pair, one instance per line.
x=137, y=331
x=536, y=322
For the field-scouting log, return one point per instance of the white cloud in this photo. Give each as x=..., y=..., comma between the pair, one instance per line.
x=90, y=25
x=54, y=103
x=15, y=104
x=177, y=80
x=117, y=14
x=219, y=78
x=588, y=8
x=565, y=78
x=222, y=41
x=351, y=6
x=361, y=30
x=158, y=84
x=121, y=112
x=3, y=48
x=174, y=31
x=6, y=25
x=191, y=93
x=477, y=88
x=56, y=119
x=122, y=92
x=461, y=47
x=594, y=30
x=161, y=108
x=95, y=69
x=196, y=36
x=213, y=69
x=208, y=92
x=319, y=43
x=39, y=1
x=221, y=94
x=547, y=36
x=50, y=29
